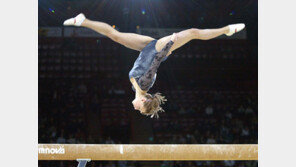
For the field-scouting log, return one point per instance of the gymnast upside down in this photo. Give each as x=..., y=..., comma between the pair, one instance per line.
x=152, y=53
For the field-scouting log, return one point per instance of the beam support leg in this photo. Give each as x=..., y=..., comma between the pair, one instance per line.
x=82, y=162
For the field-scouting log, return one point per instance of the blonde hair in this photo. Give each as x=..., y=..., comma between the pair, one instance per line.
x=152, y=104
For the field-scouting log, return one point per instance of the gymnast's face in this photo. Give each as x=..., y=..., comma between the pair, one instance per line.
x=138, y=104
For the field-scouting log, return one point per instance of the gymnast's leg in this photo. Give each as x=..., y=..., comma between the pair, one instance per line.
x=203, y=34
x=129, y=40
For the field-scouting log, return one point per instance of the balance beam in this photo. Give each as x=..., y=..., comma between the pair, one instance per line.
x=148, y=152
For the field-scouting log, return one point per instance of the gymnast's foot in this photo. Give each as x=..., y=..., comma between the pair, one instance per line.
x=76, y=21
x=234, y=28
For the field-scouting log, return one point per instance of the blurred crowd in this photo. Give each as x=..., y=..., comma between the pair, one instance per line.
x=208, y=117
x=191, y=116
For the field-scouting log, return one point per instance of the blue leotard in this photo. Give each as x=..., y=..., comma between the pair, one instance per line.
x=145, y=67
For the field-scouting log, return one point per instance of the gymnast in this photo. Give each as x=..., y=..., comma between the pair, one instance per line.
x=152, y=53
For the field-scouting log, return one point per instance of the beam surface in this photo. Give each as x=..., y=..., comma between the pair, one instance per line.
x=148, y=152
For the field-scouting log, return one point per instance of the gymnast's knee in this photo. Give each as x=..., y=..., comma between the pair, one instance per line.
x=113, y=36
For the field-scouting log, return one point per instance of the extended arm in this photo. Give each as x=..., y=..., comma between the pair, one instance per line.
x=136, y=86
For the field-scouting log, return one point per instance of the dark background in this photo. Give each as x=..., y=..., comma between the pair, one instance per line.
x=211, y=86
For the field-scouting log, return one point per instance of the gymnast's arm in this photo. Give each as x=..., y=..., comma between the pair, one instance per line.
x=136, y=86
x=147, y=78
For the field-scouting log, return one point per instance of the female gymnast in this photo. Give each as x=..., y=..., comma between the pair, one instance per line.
x=152, y=53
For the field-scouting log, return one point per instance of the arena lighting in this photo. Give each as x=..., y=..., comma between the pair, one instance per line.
x=232, y=13
x=51, y=10
x=143, y=11
x=83, y=153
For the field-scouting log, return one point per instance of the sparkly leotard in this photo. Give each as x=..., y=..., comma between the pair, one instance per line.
x=145, y=67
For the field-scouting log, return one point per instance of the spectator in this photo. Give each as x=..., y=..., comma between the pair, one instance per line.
x=61, y=138
x=209, y=110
